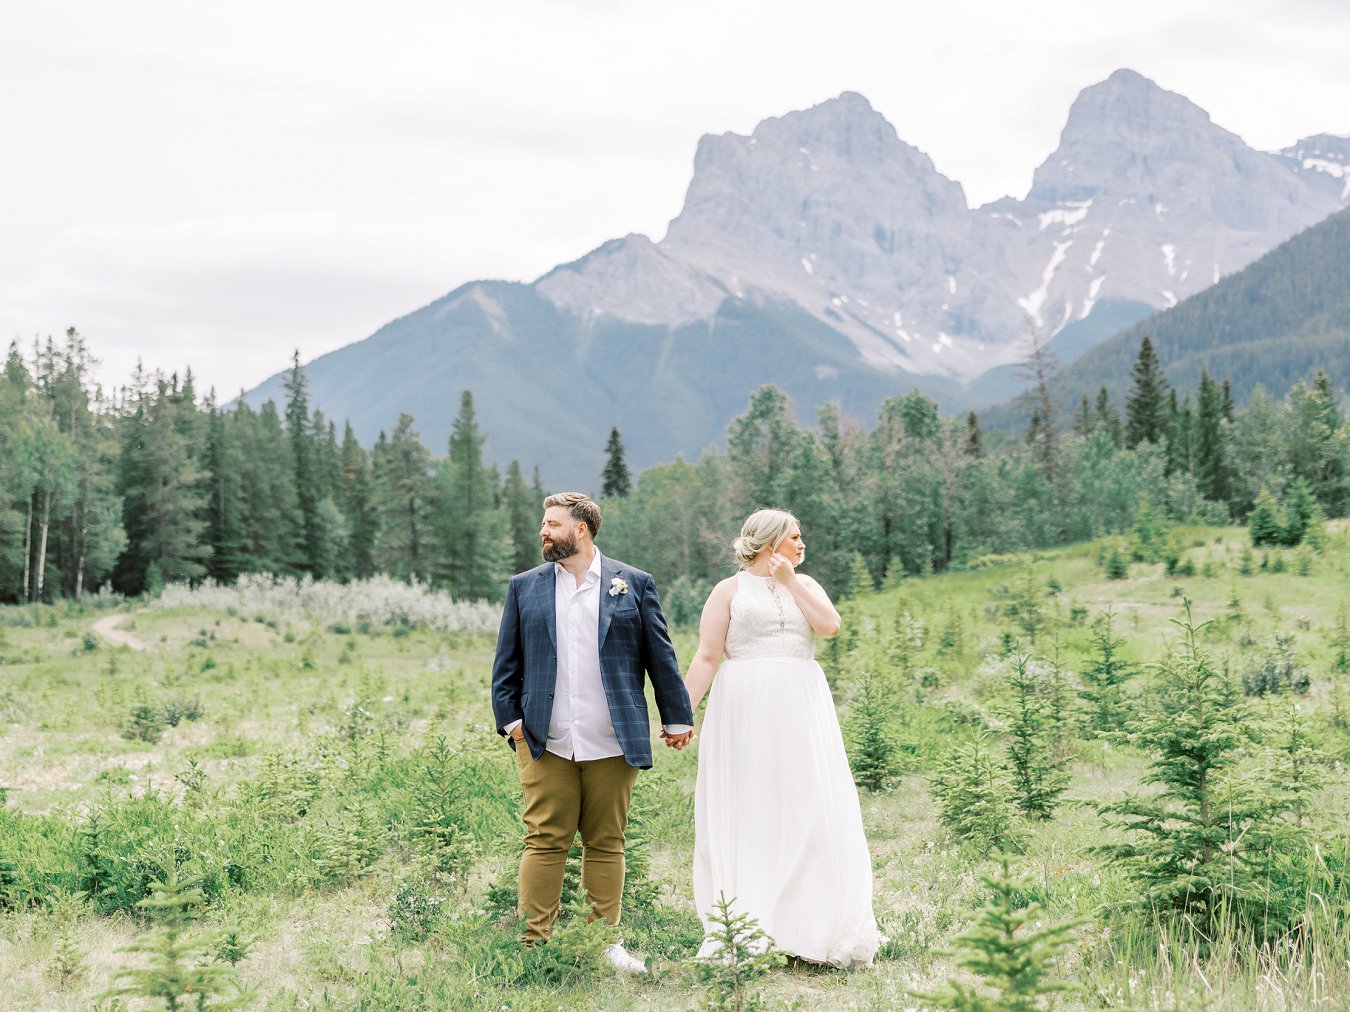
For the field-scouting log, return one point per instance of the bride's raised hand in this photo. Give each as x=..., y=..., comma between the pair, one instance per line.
x=781, y=568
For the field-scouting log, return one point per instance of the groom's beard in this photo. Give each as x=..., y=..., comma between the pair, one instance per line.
x=559, y=549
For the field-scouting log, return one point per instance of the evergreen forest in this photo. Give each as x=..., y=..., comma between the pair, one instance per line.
x=154, y=484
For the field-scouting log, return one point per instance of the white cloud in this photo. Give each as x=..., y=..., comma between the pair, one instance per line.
x=222, y=183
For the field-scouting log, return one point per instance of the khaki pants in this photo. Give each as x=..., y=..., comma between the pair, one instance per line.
x=563, y=796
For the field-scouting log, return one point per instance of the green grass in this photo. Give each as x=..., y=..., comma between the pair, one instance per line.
x=313, y=750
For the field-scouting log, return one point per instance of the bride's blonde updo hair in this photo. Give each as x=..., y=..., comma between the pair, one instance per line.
x=762, y=529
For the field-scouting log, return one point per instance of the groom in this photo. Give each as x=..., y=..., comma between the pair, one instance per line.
x=577, y=634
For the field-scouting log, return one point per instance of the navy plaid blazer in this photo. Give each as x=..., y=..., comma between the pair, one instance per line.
x=633, y=641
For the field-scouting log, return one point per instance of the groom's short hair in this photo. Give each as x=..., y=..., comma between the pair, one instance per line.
x=579, y=507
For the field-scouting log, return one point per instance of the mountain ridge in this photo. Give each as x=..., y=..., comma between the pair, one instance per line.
x=824, y=253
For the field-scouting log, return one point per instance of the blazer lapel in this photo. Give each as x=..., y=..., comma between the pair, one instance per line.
x=609, y=569
x=546, y=601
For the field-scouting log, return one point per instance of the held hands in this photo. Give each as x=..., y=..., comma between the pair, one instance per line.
x=677, y=741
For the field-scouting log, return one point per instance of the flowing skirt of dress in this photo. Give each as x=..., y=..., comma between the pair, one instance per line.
x=777, y=824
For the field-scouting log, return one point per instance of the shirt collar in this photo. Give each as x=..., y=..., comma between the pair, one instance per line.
x=592, y=573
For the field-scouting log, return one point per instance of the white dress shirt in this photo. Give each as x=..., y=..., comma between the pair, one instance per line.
x=581, y=728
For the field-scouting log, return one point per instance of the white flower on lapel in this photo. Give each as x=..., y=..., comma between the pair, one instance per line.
x=617, y=587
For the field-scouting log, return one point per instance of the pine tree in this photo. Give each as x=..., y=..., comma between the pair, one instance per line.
x=617, y=483
x=1104, y=678
x=743, y=953
x=860, y=578
x=1038, y=770
x=1040, y=367
x=269, y=515
x=1302, y=514
x=1083, y=419
x=1265, y=522
x=1109, y=418
x=1202, y=843
x=522, y=520
x=330, y=550
x=1145, y=417
x=1010, y=949
x=305, y=468
x=223, y=465
x=872, y=749
x=402, y=489
x=974, y=441
x=1151, y=535
x=180, y=971
x=355, y=501
x=163, y=501
x=1211, y=452
x=1180, y=436
x=472, y=549
x=975, y=796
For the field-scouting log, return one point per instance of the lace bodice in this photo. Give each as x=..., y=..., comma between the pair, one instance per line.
x=766, y=622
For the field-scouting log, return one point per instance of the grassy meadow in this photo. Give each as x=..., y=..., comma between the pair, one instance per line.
x=333, y=787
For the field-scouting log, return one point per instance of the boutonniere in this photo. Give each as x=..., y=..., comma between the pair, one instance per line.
x=617, y=587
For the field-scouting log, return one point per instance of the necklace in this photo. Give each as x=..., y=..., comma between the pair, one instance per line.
x=773, y=592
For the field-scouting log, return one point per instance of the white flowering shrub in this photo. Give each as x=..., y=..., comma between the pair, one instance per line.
x=379, y=601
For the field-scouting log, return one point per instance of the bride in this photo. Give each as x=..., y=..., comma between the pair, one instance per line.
x=777, y=825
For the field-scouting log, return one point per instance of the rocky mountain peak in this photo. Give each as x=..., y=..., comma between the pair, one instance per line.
x=828, y=210
x=797, y=170
x=1324, y=159
x=1128, y=141
x=1121, y=134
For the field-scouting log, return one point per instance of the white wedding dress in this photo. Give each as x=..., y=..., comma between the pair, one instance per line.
x=777, y=825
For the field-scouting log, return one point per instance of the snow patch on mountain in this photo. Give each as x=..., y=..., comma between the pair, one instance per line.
x=1093, y=290
x=1069, y=215
x=1033, y=302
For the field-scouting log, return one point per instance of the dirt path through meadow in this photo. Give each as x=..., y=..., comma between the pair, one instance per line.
x=107, y=628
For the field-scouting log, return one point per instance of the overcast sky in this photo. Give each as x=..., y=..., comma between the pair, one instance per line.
x=218, y=184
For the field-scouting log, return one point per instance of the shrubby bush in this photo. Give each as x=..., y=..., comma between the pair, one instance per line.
x=305, y=602
x=1277, y=670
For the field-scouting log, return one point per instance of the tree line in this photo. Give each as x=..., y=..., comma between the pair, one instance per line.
x=154, y=484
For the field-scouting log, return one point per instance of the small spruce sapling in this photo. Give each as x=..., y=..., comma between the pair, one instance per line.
x=67, y=967
x=743, y=953
x=1038, y=773
x=975, y=796
x=577, y=946
x=1181, y=839
x=1010, y=952
x=178, y=970
x=1104, y=677
x=872, y=748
